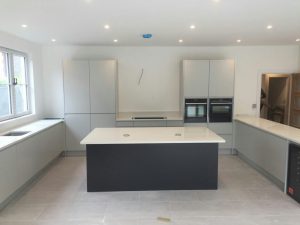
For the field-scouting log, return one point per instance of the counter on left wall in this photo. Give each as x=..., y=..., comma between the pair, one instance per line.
x=33, y=128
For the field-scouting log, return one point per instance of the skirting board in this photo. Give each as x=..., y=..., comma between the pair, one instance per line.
x=29, y=183
x=269, y=176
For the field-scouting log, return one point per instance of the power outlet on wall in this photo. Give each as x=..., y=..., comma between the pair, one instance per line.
x=254, y=106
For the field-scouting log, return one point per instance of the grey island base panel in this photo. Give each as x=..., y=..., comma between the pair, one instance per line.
x=141, y=167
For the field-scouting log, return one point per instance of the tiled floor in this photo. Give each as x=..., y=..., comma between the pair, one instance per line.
x=244, y=198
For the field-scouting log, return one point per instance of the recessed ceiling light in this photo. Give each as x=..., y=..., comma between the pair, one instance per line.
x=106, y=26
x=298, y=39
x=192, y=27
x=24, y=25
x=53, y=40
x=116, y=40
x=180, y=40
x=269, y=27
x=239, y=41
x=216, y=0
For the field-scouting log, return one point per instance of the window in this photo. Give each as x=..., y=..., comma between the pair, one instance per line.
x=14, y=85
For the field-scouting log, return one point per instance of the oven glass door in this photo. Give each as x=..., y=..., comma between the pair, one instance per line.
x=220, y=113
x=195, y=113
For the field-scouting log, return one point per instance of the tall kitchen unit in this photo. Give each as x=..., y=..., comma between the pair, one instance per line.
x=210, y=79
x=89, y=98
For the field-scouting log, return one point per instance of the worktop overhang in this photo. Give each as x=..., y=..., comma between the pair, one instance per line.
x=151, y=135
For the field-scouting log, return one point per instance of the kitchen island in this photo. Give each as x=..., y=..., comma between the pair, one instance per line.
x=152, y=158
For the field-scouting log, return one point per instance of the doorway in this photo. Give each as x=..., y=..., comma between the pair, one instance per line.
x=275, y=97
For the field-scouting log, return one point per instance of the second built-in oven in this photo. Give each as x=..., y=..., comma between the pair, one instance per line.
x=220, y=110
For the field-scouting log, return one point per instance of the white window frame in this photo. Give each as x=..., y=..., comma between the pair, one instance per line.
x=10, y=70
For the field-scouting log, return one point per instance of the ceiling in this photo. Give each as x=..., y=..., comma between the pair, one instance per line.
x=218, y=22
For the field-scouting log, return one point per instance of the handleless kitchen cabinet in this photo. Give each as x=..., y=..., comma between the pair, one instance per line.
x=103, y=120
x=77, y=127
x=221, y=83
x=102, y=85
x=76, y=86
x=195, y=78
x=9, y=181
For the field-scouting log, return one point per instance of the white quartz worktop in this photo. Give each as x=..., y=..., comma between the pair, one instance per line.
x=148, y=135
x=280, y=130
x=33, y=128
x=129, y=116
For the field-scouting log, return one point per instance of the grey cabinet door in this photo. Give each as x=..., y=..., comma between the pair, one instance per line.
x=102, y=86
x=221, y=82
x=9, y=180
x=103, y=120
x=195, y=78
x=76, y=86
x=77, y=127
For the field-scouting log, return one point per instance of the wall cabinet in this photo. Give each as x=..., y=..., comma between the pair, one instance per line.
x=208, y=78
x=195, y=78
x=221, y=82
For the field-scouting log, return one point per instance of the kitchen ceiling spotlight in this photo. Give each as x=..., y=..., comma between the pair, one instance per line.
x=269, y=27
x=106, y=26
x=24, y=25
x=192, y=27
x=53, y=40
x=298, y=39
x=116, y=40
x=180, y=40
x=238, y=40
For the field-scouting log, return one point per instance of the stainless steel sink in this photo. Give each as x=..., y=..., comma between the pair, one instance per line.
x=16, y=133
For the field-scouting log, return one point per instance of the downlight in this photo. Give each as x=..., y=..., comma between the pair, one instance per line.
x=147, y=36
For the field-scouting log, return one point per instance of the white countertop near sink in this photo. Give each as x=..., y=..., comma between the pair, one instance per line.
x=278, y=129
x=127, y=116
x=34, y=128
x=151, y=135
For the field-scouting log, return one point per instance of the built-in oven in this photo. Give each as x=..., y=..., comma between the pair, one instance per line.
x=220, y=110
x=195, y=110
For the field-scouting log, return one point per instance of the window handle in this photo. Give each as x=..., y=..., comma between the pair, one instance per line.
x=15, y=81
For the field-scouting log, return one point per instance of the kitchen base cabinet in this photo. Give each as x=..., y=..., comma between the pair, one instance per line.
x=266, y=152
x=77, y=127
x=22, y=162
x=195, y=125
x=174, y=123
x=9, y=179
x=124, y=123
x=152, y=123
x=225, y=130
x=103, y=120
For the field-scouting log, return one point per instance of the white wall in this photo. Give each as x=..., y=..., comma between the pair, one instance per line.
x=159, y=89
x=34, y=52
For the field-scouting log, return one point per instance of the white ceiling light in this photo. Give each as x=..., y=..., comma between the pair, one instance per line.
x=116, y=40
x=53, y=40
x=180, y=40
x=106, y=26
x=24, y=25
x=239, y=41
x=192, y=27
x=216, y=0
x=269, y=27
x=298, y=39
